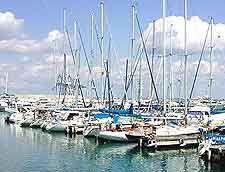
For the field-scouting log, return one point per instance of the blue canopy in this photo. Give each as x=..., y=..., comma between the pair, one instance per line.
x=102, y=115
x=117, y=111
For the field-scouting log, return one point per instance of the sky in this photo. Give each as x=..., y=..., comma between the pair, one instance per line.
x=28, y=29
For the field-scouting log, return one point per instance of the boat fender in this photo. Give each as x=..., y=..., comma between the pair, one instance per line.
x=67, y=129
x=86, y=115
x=181, y=142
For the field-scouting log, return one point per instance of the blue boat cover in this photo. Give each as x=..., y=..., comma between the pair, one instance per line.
x=117, y=111
x=102, y=115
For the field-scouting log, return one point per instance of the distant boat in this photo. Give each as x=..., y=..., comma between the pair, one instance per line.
x=36, y=123
x=26, y=122
x=14, y=118
x=55, y=126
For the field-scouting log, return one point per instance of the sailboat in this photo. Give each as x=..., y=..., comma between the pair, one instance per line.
x=173, y=136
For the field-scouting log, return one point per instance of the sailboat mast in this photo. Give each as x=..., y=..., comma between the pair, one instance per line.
x=164, y=56
x=132, y=44
x=102, y=47
x=139, y=84
x=185, y=59
x=153, y=55
x=76, y=63
x=170, y=64
x=54, y=64
x=92, y=49
x=211, y=51
x=64, y=53
x=6, y=83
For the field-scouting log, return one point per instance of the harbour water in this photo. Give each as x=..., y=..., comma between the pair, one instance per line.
x=26, y=150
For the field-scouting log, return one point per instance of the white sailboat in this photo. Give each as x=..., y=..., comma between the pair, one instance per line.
x=173, y=136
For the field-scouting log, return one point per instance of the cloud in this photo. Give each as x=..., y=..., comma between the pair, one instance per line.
x=32, y=65
x=18, y=45
x=14, y=40
x=10, y=26
x=196, y=32
x=55, y=35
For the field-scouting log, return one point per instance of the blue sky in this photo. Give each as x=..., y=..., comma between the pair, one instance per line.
x=40, y=17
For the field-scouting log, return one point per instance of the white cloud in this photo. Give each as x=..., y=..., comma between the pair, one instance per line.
x=13, y=39
x=34, y=68
x=196, y=32
x=55, y=35
x=18, y=45
x=10, y=26
x=217, y=68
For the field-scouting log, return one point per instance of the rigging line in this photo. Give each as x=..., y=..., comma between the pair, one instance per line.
x=137, y=56
x=82, y=95
x=199, y=63
x=146, y=55
x=86, y=58
x=98, y=39
x=157, y=79
x=70, y=45
x=132, y=76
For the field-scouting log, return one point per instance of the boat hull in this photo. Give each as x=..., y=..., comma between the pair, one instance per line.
x=110, y=136
x=55, y=128
x=90, y=131
x=26, y=123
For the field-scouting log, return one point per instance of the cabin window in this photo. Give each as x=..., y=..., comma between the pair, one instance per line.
x=195, y=113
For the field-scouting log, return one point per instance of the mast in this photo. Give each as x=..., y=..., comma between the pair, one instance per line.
x=171, y=72
x=164, y=56
x=6, y=83
x=139, y=84
x=92, y=49
x=102, y=47
x=54, y=65
x=76, y=63
x=126, y=81
x=211, y=51
x=64, y=69
x=132, y=44
x=185, y=59
x=153, y=54
x=64, y=54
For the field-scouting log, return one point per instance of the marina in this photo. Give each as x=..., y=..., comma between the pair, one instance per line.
x=27, y=149
x=84, y=99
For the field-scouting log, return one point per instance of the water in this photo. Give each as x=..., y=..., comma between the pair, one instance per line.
x=26, y=150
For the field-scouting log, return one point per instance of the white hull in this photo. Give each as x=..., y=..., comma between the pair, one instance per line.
x=16, y=117
x=51, y=127
x=112, y=136
x=90, y=131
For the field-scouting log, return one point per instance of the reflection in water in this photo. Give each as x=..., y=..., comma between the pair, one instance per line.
x=26, y=149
